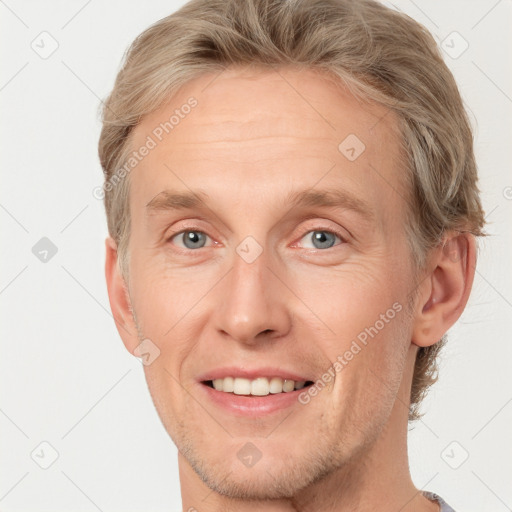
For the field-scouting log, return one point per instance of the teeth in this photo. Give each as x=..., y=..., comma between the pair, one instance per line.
x=288, y=385
x=260, y=386
x=242, y=387
x=276, y=385
x=228, y=384
x=218, y=384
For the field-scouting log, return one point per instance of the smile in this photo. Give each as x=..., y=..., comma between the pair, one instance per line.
x=260, y=386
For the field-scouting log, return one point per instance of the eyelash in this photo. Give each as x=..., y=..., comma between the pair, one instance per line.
x=331, y=231
x=197, y=230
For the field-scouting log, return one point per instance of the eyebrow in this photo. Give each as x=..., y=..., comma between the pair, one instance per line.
x=170, y=200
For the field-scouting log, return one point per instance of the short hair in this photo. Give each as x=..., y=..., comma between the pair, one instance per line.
x=379, y=54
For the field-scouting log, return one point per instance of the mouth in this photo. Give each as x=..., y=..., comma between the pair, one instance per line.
x=253, y=398
x=258, y=387
x=253, y=392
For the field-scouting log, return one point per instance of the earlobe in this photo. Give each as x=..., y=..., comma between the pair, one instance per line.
x=119, y=298
x=445, y=291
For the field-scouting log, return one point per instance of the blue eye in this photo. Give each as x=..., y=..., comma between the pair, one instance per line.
x=192, y=239
x=322, y=239
x=195, y=239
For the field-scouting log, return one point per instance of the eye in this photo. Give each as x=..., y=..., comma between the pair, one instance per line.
x=321, y=239
x=190, y=239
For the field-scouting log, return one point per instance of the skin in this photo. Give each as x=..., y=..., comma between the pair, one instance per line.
x=250, y=141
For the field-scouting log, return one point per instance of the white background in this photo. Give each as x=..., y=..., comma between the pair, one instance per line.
x=65, y=376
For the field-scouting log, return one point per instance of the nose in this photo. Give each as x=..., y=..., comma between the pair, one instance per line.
x=252, y=303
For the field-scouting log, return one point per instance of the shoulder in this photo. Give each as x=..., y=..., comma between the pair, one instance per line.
x=433, y=496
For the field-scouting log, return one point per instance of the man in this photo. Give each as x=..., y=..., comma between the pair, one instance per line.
x=292, y=203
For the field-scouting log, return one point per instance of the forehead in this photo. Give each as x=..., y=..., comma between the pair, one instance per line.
x=266, y=133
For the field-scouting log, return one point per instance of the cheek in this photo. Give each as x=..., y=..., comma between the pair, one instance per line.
x=365, y=387
x=161, y=297
x=169, y=304
x=373, y=375
x=346, y=299
x=363, y=330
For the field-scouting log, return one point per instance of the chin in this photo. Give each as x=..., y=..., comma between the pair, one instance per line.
x=274, y=482
x=274, y=476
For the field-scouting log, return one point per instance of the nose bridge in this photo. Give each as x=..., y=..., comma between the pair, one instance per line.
x=250, y=301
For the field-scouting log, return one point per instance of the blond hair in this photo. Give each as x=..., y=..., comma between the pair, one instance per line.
x=382, y=55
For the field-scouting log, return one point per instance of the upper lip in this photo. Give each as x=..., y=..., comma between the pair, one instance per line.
x=252, y=373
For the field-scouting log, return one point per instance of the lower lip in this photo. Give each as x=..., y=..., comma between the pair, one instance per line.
x=243, y=405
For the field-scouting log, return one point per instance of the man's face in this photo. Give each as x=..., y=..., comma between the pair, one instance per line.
x=261, y=287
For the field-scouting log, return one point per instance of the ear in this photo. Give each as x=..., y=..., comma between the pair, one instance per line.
x=445, y=290
x=119, y=298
